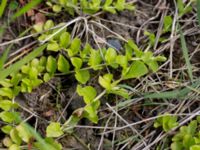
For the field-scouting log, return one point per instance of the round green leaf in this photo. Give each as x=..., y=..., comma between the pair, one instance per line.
x=14, y=147
x=82, y=76
x=136, y=70
x=6, y=104
x=105, y=81
x=177, y=146
x=24, y=133
x=13, y=5
x=89, y=93
x=195, y=147
x=56, y=8
x=7, y=92
x=54, y=130
x=33, y=73
x=75, y=47
x=15, y=137
x=122, y=61
x=90, y=113
x=46, y=77
x=110, y=56
x=35, y=63
x=53, y=46
x=6, y=129
x=38, y=27
x=51, y=64
x=76, y=62
x=63, y=64
x=48, y=24
x=9, y=117
x=64, y=39
x=95, y=59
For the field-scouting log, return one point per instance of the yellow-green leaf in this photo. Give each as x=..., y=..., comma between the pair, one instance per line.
x=6, y=129
x=24, y=132
x=63, y=64
x=82, y=76
x=56, y=8
x=7, y=92
x=76, y=62
x=136, y=70
x=7, y=105
x=122, y=61
x=9, y=117
x=75, y=47
x=95, y=59
x=64, y=39
x=54, y=130
x=88, y=93
x=48, y=24
x=14, y=147
x=110, y=56
x=105, y=81
x=51, y=64
x=15, y=137
x=53, y=46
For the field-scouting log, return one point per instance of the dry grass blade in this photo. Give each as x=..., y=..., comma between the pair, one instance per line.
x=15, y=67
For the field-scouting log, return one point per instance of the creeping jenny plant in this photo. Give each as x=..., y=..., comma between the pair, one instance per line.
x=69, y=55
x=72, y=57
x=187, y=138
x=89, y=7
x=134, y=63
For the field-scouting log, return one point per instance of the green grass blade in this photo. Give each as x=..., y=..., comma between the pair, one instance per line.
x=186, y=55
x=26, y=8
x=1, y=31
x=173, y=94
x=15, y=67
x=169, y=94
x=180, y=5
x=37, y=136
x=198, y=11
x=4, y=56
x=2, y=7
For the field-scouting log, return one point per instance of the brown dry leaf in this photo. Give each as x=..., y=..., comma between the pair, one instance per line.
x=40, y=18
x=48, y=113
x=22, y=2
x=78, y=112
x=30, y=13
x=136, y=108
x=171, y=84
